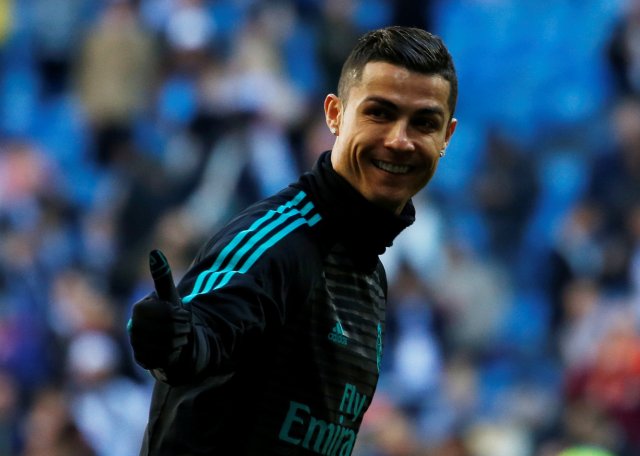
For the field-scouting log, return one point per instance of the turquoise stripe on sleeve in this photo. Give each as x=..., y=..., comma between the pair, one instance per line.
x=263, y=248
x=315, y=219
x=247, y=246
x=212, y=272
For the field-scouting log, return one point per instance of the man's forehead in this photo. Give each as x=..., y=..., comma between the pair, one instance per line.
x=388, y=81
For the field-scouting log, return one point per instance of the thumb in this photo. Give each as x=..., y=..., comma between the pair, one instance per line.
x=162, y=278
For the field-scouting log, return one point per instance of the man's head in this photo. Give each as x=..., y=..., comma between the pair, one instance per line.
x=393, y=115
x=411, y=48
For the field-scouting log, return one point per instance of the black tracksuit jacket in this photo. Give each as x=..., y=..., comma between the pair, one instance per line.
x=288, y=304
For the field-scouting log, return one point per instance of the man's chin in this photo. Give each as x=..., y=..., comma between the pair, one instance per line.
x=394, y=205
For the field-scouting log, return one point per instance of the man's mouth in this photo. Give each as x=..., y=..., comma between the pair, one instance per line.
x=391, y=167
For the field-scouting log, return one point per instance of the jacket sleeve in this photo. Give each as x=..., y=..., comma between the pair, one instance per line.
x=237, y=298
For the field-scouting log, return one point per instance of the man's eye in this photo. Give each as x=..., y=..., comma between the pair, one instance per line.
x=427, y=124
x=379, y=113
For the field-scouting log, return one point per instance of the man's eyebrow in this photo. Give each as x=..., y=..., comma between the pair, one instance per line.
x=431, y=110
x=381, y=101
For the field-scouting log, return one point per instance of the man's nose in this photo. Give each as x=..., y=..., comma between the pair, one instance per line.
x=398, y=138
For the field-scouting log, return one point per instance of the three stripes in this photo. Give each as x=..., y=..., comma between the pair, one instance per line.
x=263, y=234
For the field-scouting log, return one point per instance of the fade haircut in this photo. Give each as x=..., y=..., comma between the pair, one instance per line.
x=409, y=47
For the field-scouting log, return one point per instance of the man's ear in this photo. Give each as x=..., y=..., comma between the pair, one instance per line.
x=450, y=129
x=333, y=113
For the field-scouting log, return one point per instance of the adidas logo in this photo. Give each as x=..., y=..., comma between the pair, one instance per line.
x=337, y=335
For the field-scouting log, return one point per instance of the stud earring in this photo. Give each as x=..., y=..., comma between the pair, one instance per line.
x=442, y=153
x=333, y=131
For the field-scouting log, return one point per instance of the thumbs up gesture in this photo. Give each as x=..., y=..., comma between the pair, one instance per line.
x=160, y=326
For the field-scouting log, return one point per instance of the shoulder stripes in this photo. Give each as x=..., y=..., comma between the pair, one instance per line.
x=249, y=245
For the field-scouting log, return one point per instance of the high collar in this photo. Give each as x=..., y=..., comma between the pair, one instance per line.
x=364, y=228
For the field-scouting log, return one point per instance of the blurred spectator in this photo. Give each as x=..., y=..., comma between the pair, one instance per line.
x=414, y=351
x=239, y=166
x=116, y=73
x=49, y=429
x=215, y=198
x=587, y=318
x=189, y=34
x=146, y=192
x=575, y=255
x=109, y=409
x=79, y=303
x=255, y=80
x=505, y=191
x=610, y=383
x=474, y=296
x=615, y=188
x=26, y=174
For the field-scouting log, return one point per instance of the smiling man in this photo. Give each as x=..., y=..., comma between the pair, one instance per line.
x=271, y=343
x=393, y=116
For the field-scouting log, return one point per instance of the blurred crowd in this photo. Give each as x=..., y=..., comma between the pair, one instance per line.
x=514, y=313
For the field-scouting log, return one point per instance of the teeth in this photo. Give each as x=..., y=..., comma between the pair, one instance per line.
x=390, y=167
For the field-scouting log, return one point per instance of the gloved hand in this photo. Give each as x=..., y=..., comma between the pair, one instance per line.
x=160, y=326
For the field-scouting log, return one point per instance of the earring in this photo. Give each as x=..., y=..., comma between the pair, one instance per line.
x=333, y=130
x=442, y=153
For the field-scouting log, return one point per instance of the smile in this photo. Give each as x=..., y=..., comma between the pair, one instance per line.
x=392, y=168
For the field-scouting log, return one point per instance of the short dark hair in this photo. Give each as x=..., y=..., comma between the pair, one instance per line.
x=408, y=47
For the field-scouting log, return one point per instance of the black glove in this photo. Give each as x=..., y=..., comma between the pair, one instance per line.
x=160, y=326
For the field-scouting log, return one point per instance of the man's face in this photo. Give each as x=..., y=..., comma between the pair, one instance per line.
x=390, y=132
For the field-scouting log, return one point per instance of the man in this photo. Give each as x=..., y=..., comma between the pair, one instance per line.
x=271, y=343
